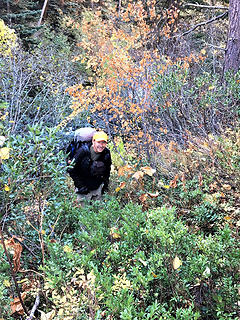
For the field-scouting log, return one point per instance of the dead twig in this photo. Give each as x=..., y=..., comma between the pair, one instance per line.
x=205, y=6
x=34, y=308
x=221, y=16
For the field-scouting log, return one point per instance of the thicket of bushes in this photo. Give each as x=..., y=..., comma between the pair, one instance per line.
x=164, y=242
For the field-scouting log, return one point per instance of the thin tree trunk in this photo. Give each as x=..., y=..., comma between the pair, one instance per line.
x=232, y=56
x=43, y=12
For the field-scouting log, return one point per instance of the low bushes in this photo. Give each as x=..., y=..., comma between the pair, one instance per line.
x=123, y=263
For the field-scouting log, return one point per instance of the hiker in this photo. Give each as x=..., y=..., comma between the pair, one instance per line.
x=91, y=167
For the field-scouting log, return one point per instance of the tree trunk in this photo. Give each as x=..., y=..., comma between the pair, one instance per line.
x=232, y=56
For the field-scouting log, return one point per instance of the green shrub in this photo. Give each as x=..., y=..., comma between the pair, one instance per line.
x=127, y=261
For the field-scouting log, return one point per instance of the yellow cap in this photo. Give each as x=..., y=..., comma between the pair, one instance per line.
x=100, y=136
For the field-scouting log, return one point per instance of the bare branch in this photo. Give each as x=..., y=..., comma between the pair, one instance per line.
x=223, y=15
x=204, y=6
x=37, y=301
x=42, y=13
x=215, y=47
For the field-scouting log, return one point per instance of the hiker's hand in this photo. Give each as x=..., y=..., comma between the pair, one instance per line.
x=82, y=190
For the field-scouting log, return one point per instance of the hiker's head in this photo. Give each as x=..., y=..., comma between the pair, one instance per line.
x=99, y=141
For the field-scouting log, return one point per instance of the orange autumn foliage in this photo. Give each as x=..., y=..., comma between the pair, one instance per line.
x=123, y=71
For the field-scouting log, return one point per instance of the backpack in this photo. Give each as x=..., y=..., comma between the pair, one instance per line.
x=81, y=136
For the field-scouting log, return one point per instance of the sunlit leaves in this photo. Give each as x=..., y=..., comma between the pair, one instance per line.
x=67, y=249
x=4, y=153
x=114, y=233
x=207, y=272
x=6, y=188
x=48, y=316
x=2, y=140
x=8, y=39
x=176, y=263
x=6, y=283
x=121, y=282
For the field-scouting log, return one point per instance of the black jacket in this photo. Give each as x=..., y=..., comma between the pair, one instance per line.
x=88, y=174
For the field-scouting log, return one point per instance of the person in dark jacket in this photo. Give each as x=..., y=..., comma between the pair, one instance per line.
x=91, y=168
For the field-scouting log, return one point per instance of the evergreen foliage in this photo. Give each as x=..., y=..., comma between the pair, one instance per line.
x=23, y=16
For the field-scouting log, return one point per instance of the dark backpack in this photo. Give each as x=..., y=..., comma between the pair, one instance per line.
x=81, y=136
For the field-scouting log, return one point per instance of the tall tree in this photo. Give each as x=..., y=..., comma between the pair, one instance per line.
x=232, y=56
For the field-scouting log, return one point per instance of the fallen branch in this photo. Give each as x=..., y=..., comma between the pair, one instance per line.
x=13, y=274
x=205, y=6
x=34, y=308
x=205, y=23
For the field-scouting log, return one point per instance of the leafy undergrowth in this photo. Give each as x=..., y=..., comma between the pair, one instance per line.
x=120, y=262
x=162, y=245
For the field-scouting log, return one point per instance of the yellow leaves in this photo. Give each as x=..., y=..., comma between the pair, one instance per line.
x=211, y=87
x=4, y=153
x=61, y=311
x=6, y=188
x=121, y=282
x=163, y=185
x=121, y=186
x=8, y=39
x=227, y=218
x=176, y=263
x=47, y=316
x=135, y=179
x=6, y=283
x=203, y=51
x=114, y=233
x=144, y=170
x=67, y=249
x=166, y=186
